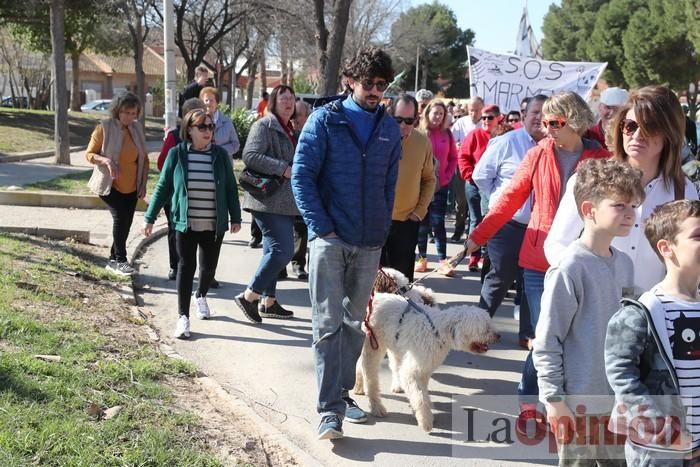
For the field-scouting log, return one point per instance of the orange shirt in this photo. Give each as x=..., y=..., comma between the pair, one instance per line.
x=128, y=159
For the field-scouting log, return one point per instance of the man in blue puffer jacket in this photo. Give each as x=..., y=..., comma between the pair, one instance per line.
x=343, y=178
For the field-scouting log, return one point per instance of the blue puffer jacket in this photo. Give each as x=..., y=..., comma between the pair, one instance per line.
x=342, y=186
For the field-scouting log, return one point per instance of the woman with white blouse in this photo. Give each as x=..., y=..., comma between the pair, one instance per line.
x=647, y=132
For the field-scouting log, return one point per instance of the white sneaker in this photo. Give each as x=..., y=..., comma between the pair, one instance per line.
x=182, y=329
x=203, y=311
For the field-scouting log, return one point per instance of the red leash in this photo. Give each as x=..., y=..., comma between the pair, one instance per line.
x=370, y=333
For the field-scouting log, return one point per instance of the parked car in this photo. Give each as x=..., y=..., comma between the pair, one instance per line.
x=99, y=105
x=19, y=102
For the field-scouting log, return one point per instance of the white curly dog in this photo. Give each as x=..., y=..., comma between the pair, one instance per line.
x=417, y=338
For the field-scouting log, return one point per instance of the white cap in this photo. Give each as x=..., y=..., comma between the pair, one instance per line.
x=613, y=97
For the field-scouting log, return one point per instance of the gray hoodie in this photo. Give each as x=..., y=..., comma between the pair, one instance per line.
x=580, y=296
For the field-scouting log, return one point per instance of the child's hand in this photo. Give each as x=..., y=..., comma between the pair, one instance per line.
x=561, y=422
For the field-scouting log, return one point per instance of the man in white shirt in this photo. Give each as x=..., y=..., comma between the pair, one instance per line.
x=464, y=125
x=492, y=175
x=460, y=129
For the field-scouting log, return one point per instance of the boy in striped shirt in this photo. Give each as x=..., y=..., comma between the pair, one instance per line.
x=653, y=348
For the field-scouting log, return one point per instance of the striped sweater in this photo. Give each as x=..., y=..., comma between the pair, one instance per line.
x=201, y=196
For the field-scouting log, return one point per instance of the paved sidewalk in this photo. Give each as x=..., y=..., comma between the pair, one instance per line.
x=43, y=169
x=270, y=366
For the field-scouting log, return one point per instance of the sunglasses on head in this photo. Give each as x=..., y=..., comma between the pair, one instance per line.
x=488, y=117
x=628, y=127
x=556, y=124
x=406, y=120
x=367, y=85
x=205, y=126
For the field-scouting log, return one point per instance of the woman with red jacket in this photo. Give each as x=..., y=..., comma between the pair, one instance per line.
x=470, y=151
x=542, y=174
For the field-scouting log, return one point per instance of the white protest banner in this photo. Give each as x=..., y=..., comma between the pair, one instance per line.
x=505, y=80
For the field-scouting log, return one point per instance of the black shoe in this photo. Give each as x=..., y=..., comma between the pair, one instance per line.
x=456, y=238
x=214, y=284
x=172, y=274
x=299, y=272
x=254, y=242
x=249, y=309
x=282, y=275
x=275, y=311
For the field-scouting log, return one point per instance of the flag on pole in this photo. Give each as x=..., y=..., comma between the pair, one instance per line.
x=526, y=44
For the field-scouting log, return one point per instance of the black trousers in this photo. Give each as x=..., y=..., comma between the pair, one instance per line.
x=172, y=247
x=399, y=251
x=504, y=250
x=187, y=248
x=122, y=207
x=255, y=231
x=301, y=240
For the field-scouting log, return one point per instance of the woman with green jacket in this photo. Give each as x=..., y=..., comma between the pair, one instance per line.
x=198, y=180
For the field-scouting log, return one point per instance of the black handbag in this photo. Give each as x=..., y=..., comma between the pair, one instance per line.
x=259, y=185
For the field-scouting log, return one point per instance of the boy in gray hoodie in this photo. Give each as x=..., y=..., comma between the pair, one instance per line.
x=581, y=293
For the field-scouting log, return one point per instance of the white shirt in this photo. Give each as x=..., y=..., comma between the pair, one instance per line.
x=648, y=268
x=462, y=127
x=498, y=164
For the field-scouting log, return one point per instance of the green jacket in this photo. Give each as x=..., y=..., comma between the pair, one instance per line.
x=172, y=186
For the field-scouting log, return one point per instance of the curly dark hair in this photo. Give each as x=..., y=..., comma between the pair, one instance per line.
x=369, y=62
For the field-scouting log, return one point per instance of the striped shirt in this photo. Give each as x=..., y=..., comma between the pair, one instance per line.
x=683, y=327
x=201, y=191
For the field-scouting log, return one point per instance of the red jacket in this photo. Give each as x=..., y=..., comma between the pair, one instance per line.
x=538, y=173
x=471, y=150
x=597, y=133
x=170, y=142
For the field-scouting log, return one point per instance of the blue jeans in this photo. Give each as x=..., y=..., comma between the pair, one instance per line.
x=340, y=281
x=435, y=220
x=278, y=249
x=473, y=204
x=533, y=285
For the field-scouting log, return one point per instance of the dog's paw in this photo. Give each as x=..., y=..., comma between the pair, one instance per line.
x=425, y=423
x=359, y=390
x=397, y=389
x=378, y=410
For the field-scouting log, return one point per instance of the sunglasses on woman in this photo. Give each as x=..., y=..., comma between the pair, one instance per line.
x=367, y=85
x=406, y=120
x=628, y=127
x=205, y=126
x=488, y=117
x=555, y=124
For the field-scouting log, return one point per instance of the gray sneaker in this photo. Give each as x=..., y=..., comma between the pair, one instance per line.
x=331, y=427
x=353, y=413
x=120, y=268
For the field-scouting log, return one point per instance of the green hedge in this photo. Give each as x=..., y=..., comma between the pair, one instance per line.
x=242, y=121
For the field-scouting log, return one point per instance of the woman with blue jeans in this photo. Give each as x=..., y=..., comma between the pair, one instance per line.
x=435, y=124
x=269, y=150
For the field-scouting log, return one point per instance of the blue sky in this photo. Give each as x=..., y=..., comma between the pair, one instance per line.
x=495, y=22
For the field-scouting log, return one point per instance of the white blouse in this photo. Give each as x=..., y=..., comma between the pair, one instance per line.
x=648, y=268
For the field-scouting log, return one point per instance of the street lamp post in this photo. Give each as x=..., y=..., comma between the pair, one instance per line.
x=170, y=86
x=415, y=87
